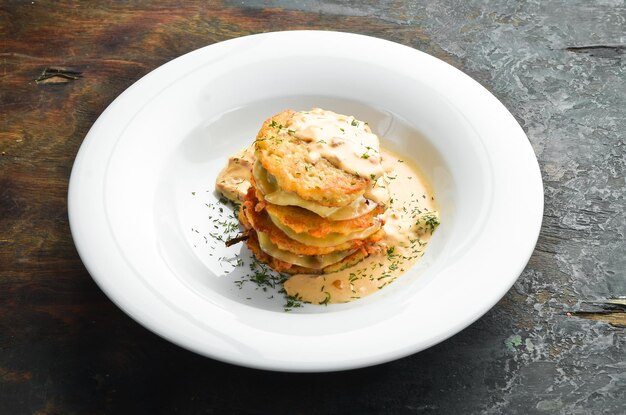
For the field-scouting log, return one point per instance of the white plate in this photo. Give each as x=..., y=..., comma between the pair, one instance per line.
x=140, y=230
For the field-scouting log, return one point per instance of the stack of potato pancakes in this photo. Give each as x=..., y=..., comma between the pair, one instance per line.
x=317, y=193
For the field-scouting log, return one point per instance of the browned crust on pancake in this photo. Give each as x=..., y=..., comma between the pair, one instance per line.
x=275, y=263
x=301, y=220
x=284, y=157
x=282, y=266
x=258, y=219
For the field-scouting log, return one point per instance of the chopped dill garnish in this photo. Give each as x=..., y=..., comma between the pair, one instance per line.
x=292, y=301
x=325, y=300
x=431, y=221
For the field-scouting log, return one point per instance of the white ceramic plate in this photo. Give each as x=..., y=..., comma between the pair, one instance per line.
x=141, y=193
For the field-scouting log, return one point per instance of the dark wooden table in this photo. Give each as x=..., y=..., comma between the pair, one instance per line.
x=554, y=344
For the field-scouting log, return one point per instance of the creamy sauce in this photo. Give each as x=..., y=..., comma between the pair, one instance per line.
x=344, y=141
x=234, y=179
x=409, y=223
x=379, y=191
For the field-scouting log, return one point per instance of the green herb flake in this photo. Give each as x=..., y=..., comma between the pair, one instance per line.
x=325, y=300
x=292, y=301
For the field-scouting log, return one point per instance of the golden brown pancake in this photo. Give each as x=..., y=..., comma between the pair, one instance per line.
x=285, y=158
x=294, y=239
x=301, y=220
x=282, y=266
x=257, y=218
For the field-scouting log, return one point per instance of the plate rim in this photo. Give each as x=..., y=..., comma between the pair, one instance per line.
x=74, y=207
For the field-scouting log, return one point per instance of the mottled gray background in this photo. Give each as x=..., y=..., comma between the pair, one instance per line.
x=559, y=67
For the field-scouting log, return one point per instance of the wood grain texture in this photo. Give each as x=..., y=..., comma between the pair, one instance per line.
x=65, y=348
